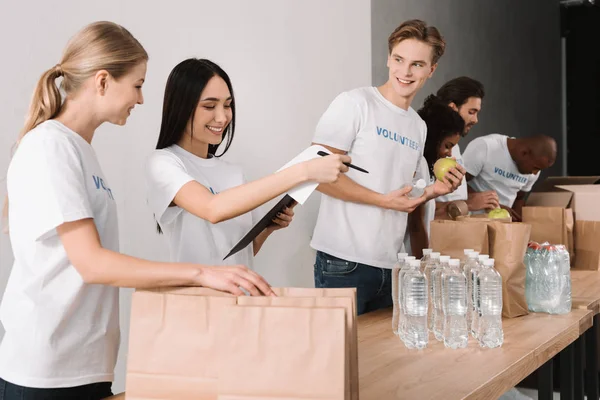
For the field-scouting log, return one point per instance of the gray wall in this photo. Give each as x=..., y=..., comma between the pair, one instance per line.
x=511, y=46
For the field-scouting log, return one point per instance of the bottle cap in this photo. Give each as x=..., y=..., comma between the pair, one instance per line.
x=420, y=184
x=483, y=257
x=415, y=263
x=454, y=262
x=444, y=258
x=427, y=252
x=435, y=255
x=489, y=262
x=401, y=256
x=467, y=251
x=474, y=255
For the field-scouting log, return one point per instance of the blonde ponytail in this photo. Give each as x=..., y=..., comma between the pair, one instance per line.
x=98, y=46
x=46, y=101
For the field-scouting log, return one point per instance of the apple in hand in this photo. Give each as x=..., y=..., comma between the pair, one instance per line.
x=442, y=166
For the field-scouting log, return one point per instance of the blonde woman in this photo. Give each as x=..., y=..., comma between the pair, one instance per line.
x=60, y=308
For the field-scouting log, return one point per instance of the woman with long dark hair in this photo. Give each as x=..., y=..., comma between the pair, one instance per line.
x=444, y=128
x=199, y=201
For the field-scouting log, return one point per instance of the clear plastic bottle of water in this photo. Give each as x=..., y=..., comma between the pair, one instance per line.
x=403, y=270
x=463, y=260
x=490, y=332
x=415, y=306
x=530, y=277
x=476, y=311
x=432, y=264
x=425, y=258
x=565, y=272
x=454, y=306
x=438, y=312
x=472, y=266
x=396, y=292
x=418, y=188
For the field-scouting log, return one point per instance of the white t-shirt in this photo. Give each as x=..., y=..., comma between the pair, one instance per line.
x=487, y=158
x=388, y=142
x=429, y=214
x=60, y=331
x=461, y=193
x=191, y=238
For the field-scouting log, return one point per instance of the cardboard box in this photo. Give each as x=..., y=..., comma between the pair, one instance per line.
x=566, y=199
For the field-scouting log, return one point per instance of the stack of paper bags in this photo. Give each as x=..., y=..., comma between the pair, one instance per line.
x=196, y=343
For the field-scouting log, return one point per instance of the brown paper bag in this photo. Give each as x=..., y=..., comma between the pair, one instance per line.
x=282, y=353
x=587, y=245
x=173, y=343
x=452, y=237
x=551, y=224
x=334, y=292
x=316, y=302
x=508, y=243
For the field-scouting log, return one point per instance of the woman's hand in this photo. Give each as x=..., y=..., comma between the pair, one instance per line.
x=283, y=219
x=232, y=278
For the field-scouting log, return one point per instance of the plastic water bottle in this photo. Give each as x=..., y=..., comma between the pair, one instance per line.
x=403, y=270
x=471, y=268
x=463, y=260
x=476, y=311
x=415, y=306
x=565, y=273
x=454, y=305
x=417, y=190
x=425, y=258
x=490, y=306
x=533, y=275
x=432, y=264
x=395, y=291
x=438, y=317
x=552, y=281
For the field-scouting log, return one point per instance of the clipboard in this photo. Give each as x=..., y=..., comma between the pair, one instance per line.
x=286, y=201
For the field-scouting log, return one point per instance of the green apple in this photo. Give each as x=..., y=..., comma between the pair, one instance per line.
x=499, y=213
x=441, y=167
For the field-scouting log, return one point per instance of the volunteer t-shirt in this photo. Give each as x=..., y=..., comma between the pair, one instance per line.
x=461, y=193
x=429, y=214
x=387, y=141
x=191, y=238
x=60, y=331
x=487, y=158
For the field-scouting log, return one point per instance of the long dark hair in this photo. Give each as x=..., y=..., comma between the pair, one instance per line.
x=442, y=121
x=182, y=93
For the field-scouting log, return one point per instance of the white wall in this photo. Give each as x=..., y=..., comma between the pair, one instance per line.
x=287, y=60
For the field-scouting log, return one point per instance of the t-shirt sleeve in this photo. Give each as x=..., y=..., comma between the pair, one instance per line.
x=51, y=183
x=474, y=156
x=530, y=182
x=340, y=124
x=165, y=176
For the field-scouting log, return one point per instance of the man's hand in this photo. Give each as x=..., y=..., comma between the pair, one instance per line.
x=398, y=201
x=483, y=200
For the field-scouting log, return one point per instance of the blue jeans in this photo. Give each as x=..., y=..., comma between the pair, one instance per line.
x=373, y=285
x=93, y=391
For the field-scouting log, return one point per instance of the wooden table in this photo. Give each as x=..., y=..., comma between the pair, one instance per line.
x=388, y=370
x=585, y=293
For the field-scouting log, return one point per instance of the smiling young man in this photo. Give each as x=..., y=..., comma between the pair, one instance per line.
x=464, y=95
x=363, y=217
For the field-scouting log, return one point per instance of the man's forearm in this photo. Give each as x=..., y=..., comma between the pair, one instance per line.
x=347, y=190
